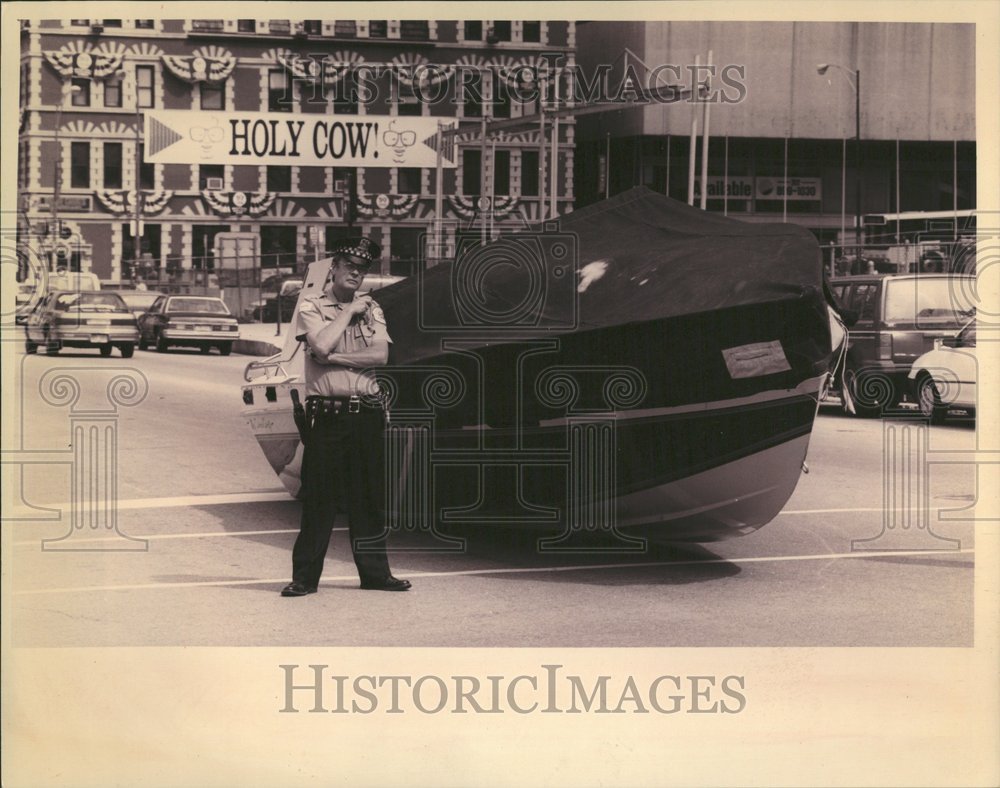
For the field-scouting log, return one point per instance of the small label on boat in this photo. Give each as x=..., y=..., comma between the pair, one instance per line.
x=760, y=358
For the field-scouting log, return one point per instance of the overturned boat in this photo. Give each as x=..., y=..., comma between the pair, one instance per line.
x=639, y=366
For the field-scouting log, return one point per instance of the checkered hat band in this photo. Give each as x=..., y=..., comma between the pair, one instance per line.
x=356, y=251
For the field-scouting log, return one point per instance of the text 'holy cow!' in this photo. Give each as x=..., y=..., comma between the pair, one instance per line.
x=328, y=140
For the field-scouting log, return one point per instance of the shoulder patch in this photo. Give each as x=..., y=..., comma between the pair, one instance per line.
x=308, y=305
x=378, y=315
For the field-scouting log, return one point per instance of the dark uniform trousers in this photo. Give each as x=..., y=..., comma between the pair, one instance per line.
x=343, y=464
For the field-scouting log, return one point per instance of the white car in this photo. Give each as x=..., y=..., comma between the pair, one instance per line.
x=944, y=378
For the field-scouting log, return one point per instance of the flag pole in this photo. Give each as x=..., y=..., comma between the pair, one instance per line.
x=704, y=144
x=694, y=129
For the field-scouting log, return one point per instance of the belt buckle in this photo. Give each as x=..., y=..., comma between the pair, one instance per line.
x=354, y=404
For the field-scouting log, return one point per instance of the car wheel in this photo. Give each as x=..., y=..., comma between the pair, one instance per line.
x=161, y=344
x=204, y=349
x=870, y=391
x=52, y=349
x=225, y=348
x=929, y=400
x=127, y=349
x=29, y=346
x=106, y=350
x=143, y=344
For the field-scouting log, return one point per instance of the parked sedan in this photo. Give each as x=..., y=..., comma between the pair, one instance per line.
x=81, y=319
x=139, y=301
x=190, y=321
x=945, y=377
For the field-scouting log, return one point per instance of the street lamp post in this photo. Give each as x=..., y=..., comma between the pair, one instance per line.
x=137, y=226
x=137, y=185
x=821, y=69
x=57, y=185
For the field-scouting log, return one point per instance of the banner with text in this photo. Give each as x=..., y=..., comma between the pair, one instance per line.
x=745, y=187
x=281, y=138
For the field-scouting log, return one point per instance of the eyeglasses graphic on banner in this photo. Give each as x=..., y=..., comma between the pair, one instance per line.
x=399, y=141
x=207, y=137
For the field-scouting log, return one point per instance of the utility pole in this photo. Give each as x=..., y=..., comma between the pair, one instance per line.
x=54, y=230
x=857, y=178
x=554, y=169
x=821, y=69
x=704, y=142
x=137, y=227
x=482, y=179
x=137, y=202
x=694, y=131
x=541, y=163
x=438, y=196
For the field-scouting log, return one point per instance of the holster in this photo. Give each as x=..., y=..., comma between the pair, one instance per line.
x=299, y=414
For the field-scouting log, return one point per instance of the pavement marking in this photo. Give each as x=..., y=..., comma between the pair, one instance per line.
x=211, y=500
x=833, y=511
x=282, y=495
x=508, y=570
x=170, y=503
x=195, y=535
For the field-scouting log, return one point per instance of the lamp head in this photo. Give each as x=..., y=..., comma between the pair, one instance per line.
x=821, y=68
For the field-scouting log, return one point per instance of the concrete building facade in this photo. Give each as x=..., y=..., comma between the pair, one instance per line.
x=780, y=123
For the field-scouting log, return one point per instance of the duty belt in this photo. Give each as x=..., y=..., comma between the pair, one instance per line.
x=316, y=405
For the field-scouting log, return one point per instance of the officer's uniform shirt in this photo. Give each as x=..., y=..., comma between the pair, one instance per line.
x=367, y=332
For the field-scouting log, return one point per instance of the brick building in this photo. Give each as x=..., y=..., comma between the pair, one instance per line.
x=86, y=83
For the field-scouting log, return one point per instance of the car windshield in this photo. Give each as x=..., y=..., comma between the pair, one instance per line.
x=140, y=300
x=967, y=336
x=90, y=302
x=206, y=306
x=925, y=300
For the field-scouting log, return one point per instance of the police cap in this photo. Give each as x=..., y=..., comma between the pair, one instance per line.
x=361, y=250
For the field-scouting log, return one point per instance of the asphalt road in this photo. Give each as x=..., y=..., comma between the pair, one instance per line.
x=192, y=481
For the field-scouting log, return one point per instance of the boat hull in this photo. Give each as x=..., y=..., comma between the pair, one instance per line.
x=664, y=374
x=700, y=472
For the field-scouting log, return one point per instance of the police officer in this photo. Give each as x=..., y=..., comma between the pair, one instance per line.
x=345, y=335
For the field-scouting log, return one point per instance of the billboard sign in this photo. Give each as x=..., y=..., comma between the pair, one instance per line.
x=283, y=138
x=745, y=187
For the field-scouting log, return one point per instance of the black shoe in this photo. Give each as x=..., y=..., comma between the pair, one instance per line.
x=388, y=584
x=297, y=589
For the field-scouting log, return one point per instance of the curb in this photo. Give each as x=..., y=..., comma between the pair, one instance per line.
x=252, y=347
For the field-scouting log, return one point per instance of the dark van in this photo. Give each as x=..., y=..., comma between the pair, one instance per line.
x=898, y=318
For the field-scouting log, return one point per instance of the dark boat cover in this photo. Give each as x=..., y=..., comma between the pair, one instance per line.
x=638, y=257
x=639, y=350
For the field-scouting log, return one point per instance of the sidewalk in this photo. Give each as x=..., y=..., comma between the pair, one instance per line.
x=260, y=339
